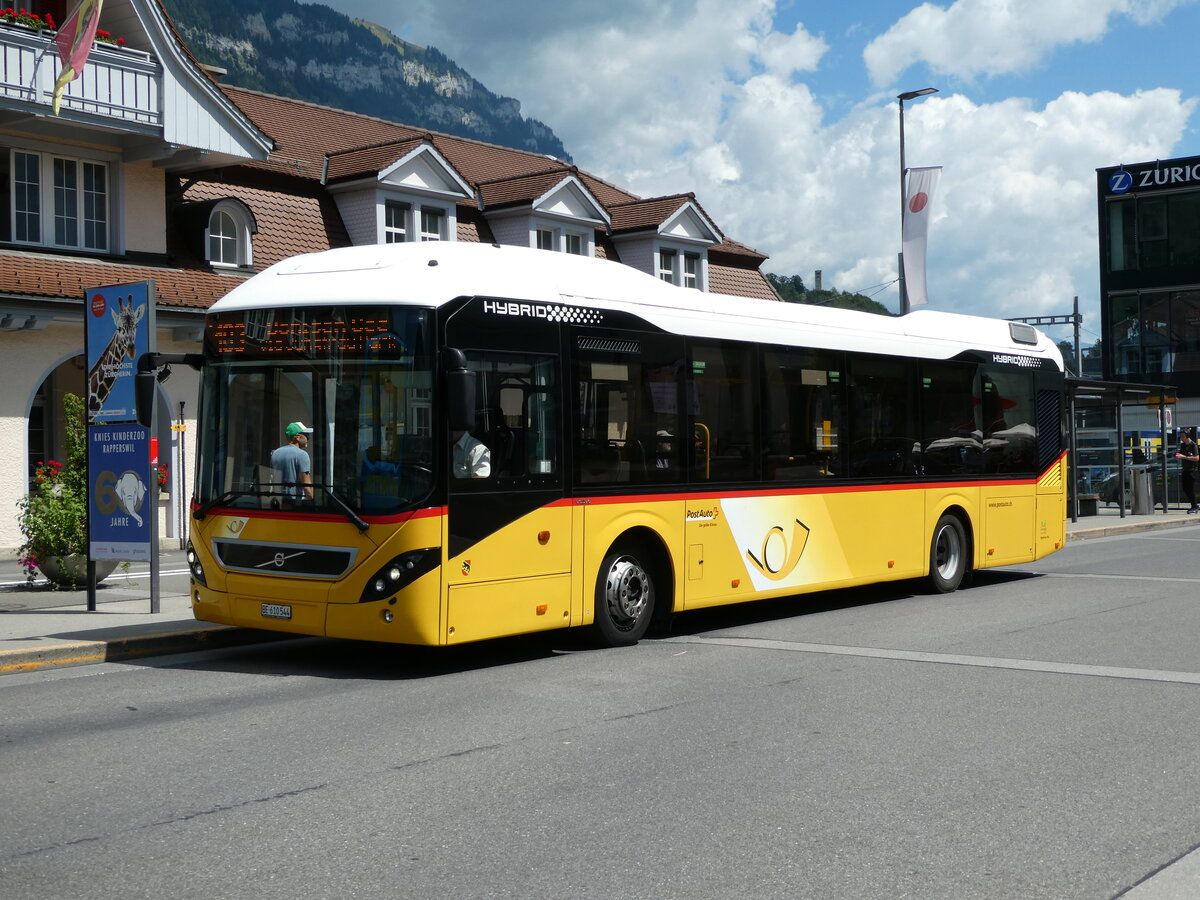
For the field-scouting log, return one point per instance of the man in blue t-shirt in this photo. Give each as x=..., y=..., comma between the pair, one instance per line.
x=291, y=464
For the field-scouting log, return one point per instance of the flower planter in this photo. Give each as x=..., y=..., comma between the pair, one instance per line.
x=71, y=571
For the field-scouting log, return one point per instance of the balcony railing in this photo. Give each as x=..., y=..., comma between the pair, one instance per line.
x=119, y=84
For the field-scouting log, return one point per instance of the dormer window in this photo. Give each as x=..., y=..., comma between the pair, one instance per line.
x=432, y=224
x=667, y=260
x=561, y=240
x=414, y=220
x=680, y=267
x=395, y=221
x=227, y=238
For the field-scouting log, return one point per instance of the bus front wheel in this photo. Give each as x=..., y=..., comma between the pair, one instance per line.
x=947, y=555
x=624, y=598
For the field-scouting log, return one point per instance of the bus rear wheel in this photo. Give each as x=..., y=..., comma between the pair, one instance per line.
x=947, y=555
x=624, y=598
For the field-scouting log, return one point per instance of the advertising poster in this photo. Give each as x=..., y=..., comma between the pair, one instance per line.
x=119, y=325
x=120, y=498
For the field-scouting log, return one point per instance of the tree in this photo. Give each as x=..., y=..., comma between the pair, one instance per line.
x=789, y=287
x=1068, y=353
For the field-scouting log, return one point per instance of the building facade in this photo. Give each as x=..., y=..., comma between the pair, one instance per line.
x=154, y=171
x=1149, y=229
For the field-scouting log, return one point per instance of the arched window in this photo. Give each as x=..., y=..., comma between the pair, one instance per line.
x=227, y=237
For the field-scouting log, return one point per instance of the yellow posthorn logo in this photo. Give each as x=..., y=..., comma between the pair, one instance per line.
x=779, y=556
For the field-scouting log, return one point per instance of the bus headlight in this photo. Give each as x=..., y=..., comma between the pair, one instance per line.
x=399, y=573
x=193, y=562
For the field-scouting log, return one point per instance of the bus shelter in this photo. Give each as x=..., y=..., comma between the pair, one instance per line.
x=1119, y=432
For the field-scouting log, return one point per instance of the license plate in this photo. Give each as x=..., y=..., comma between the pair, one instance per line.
x=276, y=611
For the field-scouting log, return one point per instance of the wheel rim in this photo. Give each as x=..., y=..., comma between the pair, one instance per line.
x=948, y=552
x=626, y=592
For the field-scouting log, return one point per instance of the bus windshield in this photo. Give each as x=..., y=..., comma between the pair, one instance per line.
x=346, y=390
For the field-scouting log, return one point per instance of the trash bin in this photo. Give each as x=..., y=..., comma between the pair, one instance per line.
x=1143, y=496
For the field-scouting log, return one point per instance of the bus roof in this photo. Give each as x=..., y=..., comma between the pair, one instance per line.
x=433, y=273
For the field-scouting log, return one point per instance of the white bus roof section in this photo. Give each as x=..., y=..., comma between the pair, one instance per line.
x=434, y=273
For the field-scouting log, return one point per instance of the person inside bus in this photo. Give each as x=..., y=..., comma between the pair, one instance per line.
x=293, y=470
x=472, y=458
x=664, y=450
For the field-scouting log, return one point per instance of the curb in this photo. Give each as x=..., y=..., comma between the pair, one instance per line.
x=1125, y=528
x=81, y=653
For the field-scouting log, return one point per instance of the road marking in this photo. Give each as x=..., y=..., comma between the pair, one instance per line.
x=113, y=582
x=1117, y=577
x=1178, y=880
x=950, y=659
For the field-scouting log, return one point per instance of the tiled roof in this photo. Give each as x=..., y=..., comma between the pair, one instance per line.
x=521, y=189
x=363, y=161
x=305, y=132
x=739, y=281
x=644, y=215
x=62, y=277
x=730, y=248
x=637, y=215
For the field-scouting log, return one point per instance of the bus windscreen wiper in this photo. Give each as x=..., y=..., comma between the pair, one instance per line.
x=345, y=507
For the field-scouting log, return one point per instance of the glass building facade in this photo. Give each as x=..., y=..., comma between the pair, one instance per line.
x=1149, y=227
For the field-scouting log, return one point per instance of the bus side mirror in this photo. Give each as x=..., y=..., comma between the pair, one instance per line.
x=460, y=391
x=151, y=369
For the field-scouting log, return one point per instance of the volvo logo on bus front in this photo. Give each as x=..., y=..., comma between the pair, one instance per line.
x=279, y=559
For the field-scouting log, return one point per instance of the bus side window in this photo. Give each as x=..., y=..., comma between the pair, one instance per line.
x=802, y=415
x=518, y=419
x=883, y=436
x=627, y=402
x=721, y=392
x=952, y=439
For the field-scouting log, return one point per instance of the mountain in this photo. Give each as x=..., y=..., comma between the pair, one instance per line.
x=311, y=52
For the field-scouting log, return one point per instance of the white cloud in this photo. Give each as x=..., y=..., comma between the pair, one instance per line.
x=973, y=38
x=664, y=96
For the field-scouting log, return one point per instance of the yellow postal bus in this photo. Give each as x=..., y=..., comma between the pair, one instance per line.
x=507, y=440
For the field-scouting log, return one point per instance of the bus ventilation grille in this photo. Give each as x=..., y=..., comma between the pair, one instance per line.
x=609, y=345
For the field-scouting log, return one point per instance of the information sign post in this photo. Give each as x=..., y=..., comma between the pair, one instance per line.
x=122, y=492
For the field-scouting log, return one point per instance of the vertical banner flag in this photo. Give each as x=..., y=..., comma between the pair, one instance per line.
x=74, y=41
x=921, y=185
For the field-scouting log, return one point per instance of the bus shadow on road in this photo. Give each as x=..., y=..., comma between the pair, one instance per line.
x=757, y=612
x=315, y=657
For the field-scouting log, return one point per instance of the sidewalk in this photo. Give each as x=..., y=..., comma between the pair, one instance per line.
x=40, y=627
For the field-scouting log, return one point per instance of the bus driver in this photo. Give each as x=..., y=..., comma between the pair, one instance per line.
x=472, y=458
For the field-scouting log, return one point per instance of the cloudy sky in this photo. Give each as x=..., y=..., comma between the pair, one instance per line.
x=781, y=116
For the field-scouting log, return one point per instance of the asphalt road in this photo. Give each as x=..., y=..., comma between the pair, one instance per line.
x=1032, y=736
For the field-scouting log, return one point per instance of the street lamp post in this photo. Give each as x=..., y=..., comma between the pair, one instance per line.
x=907, y=95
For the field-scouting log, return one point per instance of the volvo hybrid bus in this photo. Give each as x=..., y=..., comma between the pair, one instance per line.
x=506, y=440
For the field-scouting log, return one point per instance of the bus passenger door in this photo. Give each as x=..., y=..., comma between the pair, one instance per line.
x=508, y=540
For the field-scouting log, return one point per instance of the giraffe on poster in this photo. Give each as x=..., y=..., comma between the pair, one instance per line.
x=104, y=373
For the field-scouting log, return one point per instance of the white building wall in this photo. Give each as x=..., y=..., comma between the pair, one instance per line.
x=28, y=358
x=145, y=214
